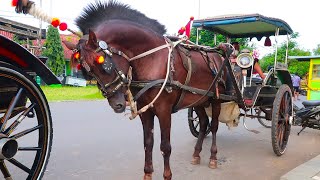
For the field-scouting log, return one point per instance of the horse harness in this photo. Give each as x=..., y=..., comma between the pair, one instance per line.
x=122, y=80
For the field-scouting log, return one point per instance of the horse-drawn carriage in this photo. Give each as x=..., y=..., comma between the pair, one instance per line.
x=26, y=125
x=133, y=62
x=271, y=96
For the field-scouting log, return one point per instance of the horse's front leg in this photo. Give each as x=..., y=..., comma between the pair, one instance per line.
x=203, y=120
x=165, y=146
x=147, y=119
x=216, y=107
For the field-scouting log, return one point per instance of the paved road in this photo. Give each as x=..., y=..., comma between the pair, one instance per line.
x=92, y=142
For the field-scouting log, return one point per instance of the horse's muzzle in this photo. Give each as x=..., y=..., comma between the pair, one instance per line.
x=119, y=108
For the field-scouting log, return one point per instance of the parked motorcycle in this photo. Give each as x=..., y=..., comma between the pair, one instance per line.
x=308, y=116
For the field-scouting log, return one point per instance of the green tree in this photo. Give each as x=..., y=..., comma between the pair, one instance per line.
x=206, y=38
x=301, y=68
x=54, y=51
x=316, y=51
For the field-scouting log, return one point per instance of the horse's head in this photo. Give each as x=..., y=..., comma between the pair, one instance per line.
x=97, y=60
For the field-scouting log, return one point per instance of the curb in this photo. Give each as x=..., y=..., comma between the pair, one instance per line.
x=309, y=170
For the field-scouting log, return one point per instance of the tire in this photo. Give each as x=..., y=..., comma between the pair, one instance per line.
x=281, y=123
x=264, y=122
x=33, y=133
x=193, y=121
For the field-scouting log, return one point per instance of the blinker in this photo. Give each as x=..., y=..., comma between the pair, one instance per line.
x=103, y=45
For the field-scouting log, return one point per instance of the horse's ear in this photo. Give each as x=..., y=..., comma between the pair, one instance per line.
x=92, y=41
x=69, y=45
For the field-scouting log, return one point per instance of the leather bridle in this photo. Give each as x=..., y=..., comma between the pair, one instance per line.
x=109, y=66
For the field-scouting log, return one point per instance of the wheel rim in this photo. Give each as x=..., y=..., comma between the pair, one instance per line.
x=194, y=123
x=263, y=121
x=283, y=124
x=28, y=124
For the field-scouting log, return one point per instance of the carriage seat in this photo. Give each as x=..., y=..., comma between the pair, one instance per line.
x=311, y=103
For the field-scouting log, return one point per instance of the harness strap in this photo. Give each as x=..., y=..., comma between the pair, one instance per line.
x=120, y=53
x=147, y=87
x=149, y=52
x=177, y=84
x=189, y=73
x=167, y=45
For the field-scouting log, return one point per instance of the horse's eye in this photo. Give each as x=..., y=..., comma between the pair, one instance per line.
x=76, y=55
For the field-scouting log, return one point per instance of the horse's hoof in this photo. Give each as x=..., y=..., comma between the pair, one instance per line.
x=147, y=177
x=195, y=160
x=213, y=164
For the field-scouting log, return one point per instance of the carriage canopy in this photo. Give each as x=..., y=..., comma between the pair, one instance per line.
x=240, y=26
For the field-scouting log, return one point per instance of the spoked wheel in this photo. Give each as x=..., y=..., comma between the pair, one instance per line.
x=263, y=121
x=281, y=119
x=25, y=126
x=194, y=123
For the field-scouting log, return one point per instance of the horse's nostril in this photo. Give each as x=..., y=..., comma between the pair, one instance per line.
x=119, y=106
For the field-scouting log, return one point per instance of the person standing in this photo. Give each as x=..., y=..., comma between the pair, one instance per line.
x=296, y=86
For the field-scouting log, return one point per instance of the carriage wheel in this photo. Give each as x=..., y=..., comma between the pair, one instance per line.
x=263, y=121
x=26, y=137
x=281, y=119
x=194, y=123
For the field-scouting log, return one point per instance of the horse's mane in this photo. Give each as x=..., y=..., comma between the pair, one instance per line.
x=98, y=12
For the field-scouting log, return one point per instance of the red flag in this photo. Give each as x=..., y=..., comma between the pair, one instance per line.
x=188, y=27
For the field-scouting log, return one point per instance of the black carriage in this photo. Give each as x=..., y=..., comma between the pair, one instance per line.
x=268, y=100
x=26, y=124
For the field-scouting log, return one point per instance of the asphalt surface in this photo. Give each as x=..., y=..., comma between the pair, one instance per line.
x=92, y=142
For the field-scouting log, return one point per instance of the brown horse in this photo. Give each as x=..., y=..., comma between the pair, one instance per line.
x=128, y=34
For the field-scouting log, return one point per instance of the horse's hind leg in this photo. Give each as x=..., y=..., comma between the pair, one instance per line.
x=147, y=119
x=204, y=121
x=216, y=106
x=165, y=146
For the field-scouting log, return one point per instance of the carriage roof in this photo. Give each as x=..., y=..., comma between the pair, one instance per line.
x=248, y=25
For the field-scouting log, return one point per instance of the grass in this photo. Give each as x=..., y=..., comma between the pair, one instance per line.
x=69, y=93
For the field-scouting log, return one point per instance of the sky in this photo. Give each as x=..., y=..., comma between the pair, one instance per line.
x=302, y=17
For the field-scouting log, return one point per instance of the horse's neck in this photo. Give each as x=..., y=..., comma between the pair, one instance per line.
x=130, y=38
x=134, y=40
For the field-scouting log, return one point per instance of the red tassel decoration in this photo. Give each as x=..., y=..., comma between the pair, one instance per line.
x=79, y=67
x=181, y=30
x=63, y=26
x=55, y=22
x=14, y=3
x=267, y=42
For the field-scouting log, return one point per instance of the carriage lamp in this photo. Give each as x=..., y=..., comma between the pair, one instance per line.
x=244, y=60
x=100, y=59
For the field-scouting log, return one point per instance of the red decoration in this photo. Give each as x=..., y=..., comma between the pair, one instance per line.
x=14, y=3
x=55, y=22
x=188, y=27
x=79, y=67
x=181, y=30
x=76, y=55
x=63, y=26
x=100, y=59
x=267, y=42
